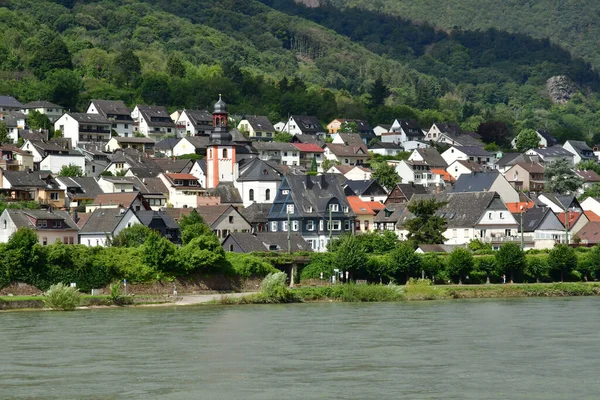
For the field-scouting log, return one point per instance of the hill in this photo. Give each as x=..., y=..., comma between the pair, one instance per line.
x=274, y=57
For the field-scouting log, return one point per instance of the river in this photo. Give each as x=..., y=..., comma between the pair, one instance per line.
x=471, y=349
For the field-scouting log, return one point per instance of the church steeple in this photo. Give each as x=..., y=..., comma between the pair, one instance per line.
x=220, y=133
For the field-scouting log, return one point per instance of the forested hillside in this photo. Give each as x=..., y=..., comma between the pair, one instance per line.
x=573, y=24
x=275, y=57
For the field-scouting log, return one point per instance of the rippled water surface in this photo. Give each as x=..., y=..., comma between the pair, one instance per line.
x=500, y=349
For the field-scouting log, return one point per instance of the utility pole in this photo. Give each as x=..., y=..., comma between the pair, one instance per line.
x=330, y=224
x=566, y=225
x=522, y=239
x=289, y=239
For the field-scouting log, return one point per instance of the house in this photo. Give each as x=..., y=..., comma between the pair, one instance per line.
x=9, y=103
x=590, y=178
x=41, y=149
x=314, y=206
x=81, y=127
x=258, y=181
x=96, y=160
x=115, y=184
x=390, y=216
x=309, y=152
x=51, y=226
x=347, y=149
x=55, y=162
x=191, y=145
x=474, y=154
x=580, y=150
x=161, y=222
x=362, y=127
x=223, y=219
x=184, y=189
x=29, y=185
x=351, y=172
x=366, y=190
x=303, y=125
x=589, y=235
x=78, y=190
x=127, y=200
x=526, y=177
x=153, y=190
x=541, y=228
x=551, y=154
x=575, y=222
x=169, y=165
x=435, y=248
x=199, y=171
x=591, y=204
x=104, y=224
x=141, y=144
x=365, y=212
x=545, y=138
x=402, y=193
x=194, y=123
x=257, y=127
x=491, y=181
x=262, y=242
x=385, y=149
x=505, y=161
x=133, y=163
x=115, y=111
x=14, y=159
x=381, y=129
x=407, y=130
x=438, y=128
x=153, y=122
x=14, y=121
x=257, y=216
x=558, y=203
x=50, y=110
x=165, y=147
x=281, y=153
x=418, y=168
x=460, y=167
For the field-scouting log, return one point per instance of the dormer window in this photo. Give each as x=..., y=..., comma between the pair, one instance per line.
x=285, y=191
x=178, y=182
x=334, y=207
x=289, y=208
x=42, y=223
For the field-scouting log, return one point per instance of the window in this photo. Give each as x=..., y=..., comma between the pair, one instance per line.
x=285, y=191
x=501, y=215
x=93, y=168
x=251, y=194
x=42, y=223
x=366, y=225
x=345, y=209
x=54, y=196
x=126, y=126
x=66, y=240
x=57, y=224
x=310, y=225
x=210, y=153
x=274, y=226
x=44, y=241
x=231, y=219
x=119, y=165
x=507, y=232
x=71, y=240
x=389, y=226
x=347, y=225
x=295, y=226
x=466, y=233
x=230, y=247
x=224, y=153
x=321, y=225
x=289, y=209
x=268, y=194
x=334, y=207
x=336, y=225
x=284, y=226
x=4, y=224
x=490, y=216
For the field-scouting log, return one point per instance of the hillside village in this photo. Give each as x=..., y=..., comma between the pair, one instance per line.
x=148, y=166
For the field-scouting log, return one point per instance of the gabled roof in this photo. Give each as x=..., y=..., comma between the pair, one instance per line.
x=141, y=165
x=124, y=200
x=341, y=150
x=81, y=187
x=175, y=166
x=445, y=175
x=28, y=134
x=475, y=181
x=560, y=200
x=89, y=118
x=9, y=101
x=200, y=119
x=308, y=147
x=385, y=145
x=307, y=139
x=533, y=168
x=391, y=213
x=132, y=139
x=432, y=157
x=358, y=188
x=463, y=140
x=256, y=213
x=259, y=170
x=211, y=214
x=471, y=166
x=351, y=139
x=268, y=241
x=554, y=151
x=113, y=107
x=147, y=216
x=21, y=218
x=474, y=151
x=589, y=176
x=361, y=207
x=449, y=128
x=573, y=217
x=579, y=145
x=592, y=216
x=306, y=123
x=590, y=233
x=103, y=221
x=466, y=209
x=259, y=123
x=156, y=115
x=546, y=135
x=27, y=179
x=408, y=189
x=11, y=118
x=167, y=144
x=199, y=142
x=533, y=217
x=40, y=104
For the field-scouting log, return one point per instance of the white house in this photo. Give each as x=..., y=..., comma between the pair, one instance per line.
x=55, y=162
x=419, y=173
x=50, y=110
x=282, y=153
x=385, y=149
x=351, y=172
x=591, y=204
x=191, y=145
x=114, y=184
x=153, y=121
x=304, y=125
x=141, y=144
x=51, y=226
x=105, y=223
x=117, y=112
x=14, y=120
x=80, y=127
x=580, y=150
x=551, y=154
x=460, y=167
x=381, y=129
x=199, y=171
x=184, y=189
x=258, y=182
x=546, y=139
x=475, y=154
x=194, y=122
x=9, y=103
x=258, y=127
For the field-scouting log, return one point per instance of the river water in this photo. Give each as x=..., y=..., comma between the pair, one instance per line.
x=472, y=349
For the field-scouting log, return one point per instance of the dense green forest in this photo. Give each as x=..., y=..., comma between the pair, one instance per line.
x=572, y=24
x=274, y=58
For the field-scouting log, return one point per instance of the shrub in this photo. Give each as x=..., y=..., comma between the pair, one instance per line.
x=247, y=265
x=274, y=289
x=61, y=297
x=511, y=260
x=116, y=293
x=537, y=267
x=319, y=262
x=460, y=263
x=562, y=258
x=423, y=289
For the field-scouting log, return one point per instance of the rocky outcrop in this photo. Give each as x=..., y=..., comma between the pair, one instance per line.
x=560, y=89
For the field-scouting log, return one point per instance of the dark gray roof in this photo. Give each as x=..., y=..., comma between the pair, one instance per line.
x=561, y=200
x=308, y=124
x=273, y=146
x=28, y=134
x=532, y=218
x=11, y=102
x=548, y=136
x=145, y=185
x=409, y=126
x=448, y=128
x=132, y=139
x=174, y=166
x=103, y=220
x=29, y=179
x=20, y=217
x=554, y=151
x=385, y=145
x=227, y=192
x=81, y=187
x=391, y=213
x=141, y=166
x=113, y=107
x=358, y=188
x=260, y=123
x=202, y=164
x=89, y=118
x=11, y=118
x=199, y=142
x=307, y=139
x=509, y=159
x=40, y=104
x=259, y=170
x=475, y=151
x=267, y=241
x=432, y=157
x=166, y=144
x=464, y=140
x=408, y=189
x=156, y=116
x=146, y=217
x=256, y=213
x=475, y=181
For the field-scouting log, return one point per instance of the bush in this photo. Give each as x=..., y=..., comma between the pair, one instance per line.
x=319, y=262
x=460, y=263
x=563, y=259
x=247, y=265
x=274, y=289
x=510, y=259
x=61, y=297
x=423, y=289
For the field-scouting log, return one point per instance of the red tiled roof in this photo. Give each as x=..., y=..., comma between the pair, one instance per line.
x=590, y=233
x=119, y=199
x=182, y=176
x=589, y=175
x=515, y=208
x=573, y=217
x=308, y=147
x=445, y=174
x=361, y=207
x=592, y=216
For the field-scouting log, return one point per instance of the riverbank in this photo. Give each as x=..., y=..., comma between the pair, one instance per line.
x=349, y=293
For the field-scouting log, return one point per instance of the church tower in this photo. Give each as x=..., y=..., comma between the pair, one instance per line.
x=220, y=154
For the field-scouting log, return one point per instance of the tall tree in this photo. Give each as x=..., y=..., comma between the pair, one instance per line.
x=494, y=132
x=511, y=260
x=350, y=255
x=126, y=68
x=386, y=175
x=560, y=177
x=562, y=258
x=51, y=56
x=37, y=120
x=63, y=87
x=404, y=260
x=460, y=263
x=378, y=93
x=70, y=170
x=527, y=139
x=175, y=66
x=426, y=227
x=4, y=133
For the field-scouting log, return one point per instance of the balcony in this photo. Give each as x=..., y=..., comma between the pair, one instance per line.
x=507, y=239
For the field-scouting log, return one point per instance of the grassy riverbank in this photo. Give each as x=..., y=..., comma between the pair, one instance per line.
x=33, y=302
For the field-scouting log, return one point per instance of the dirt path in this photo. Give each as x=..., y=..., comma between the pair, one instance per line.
x=188, y=300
